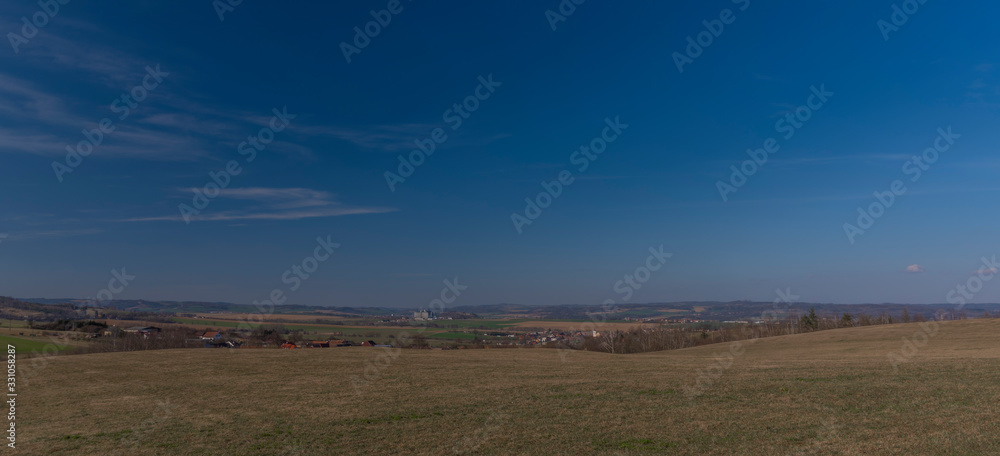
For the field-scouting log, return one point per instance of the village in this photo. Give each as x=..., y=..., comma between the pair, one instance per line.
x=90, y=328
x=234, y=338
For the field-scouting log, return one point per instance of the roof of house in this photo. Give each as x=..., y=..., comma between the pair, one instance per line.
x=210, y=334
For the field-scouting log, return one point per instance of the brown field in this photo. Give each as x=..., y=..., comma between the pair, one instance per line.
x=824, y=393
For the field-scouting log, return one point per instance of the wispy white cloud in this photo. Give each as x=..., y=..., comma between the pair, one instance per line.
x=387, y=138
x=396, y=138
x=984, y=90
x=26, y=235
x=270, y=215
x=275, y=204
x=281, y=198
x=42, y=118
x=23, y=100
x=839, y=158
x=914, y=268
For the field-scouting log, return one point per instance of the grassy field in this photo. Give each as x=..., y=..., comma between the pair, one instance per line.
x=232, y=319
x=272, y=317
x=451, y=335
x=824, y=393
x=582, y=325
x=476, y=323
x=26, y=345
x=318, y=329
x=361, y=333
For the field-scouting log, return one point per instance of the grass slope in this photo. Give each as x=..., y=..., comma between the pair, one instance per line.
x=25, y=346
x=831, y=392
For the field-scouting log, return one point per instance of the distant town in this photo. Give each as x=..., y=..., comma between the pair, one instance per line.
x=136, y=325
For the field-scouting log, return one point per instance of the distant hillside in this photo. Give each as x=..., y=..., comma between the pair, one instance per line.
x=16, y=309
x=722, y=311
x=141, y=305
x=719, y=311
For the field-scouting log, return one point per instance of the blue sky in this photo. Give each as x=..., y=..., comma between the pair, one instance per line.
x=655, y=184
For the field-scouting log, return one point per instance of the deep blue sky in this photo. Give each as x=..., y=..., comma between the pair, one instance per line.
x=655, y=185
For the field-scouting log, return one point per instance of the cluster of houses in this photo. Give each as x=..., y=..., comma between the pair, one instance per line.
x=538, y=338
x=215, y=339
x=331, y=343
x=145, y=331
x=665, y=320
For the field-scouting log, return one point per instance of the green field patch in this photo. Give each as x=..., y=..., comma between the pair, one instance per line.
x=216, y=323
x=347, y=331
x=25, y=346
x=452, y=335
x=477, y=323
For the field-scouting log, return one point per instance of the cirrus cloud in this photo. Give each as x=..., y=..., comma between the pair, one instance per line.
x=276, y=204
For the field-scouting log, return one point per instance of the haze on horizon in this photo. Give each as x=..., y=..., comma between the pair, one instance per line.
x=840, y=111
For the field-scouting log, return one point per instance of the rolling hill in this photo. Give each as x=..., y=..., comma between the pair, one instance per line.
x=829, y=392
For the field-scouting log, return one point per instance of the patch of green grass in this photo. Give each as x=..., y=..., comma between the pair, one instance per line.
x=216, y=323
x=29, y=345
x=452, y=335
x=477, y=323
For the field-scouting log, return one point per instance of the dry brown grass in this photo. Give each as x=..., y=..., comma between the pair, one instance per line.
x=830, y=392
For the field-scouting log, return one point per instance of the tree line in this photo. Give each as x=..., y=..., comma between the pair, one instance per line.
x=663, y=337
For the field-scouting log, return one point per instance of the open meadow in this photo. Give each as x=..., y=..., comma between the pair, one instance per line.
x=831, y=392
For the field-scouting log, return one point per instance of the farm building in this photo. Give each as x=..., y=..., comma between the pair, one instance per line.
x=211, y=335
